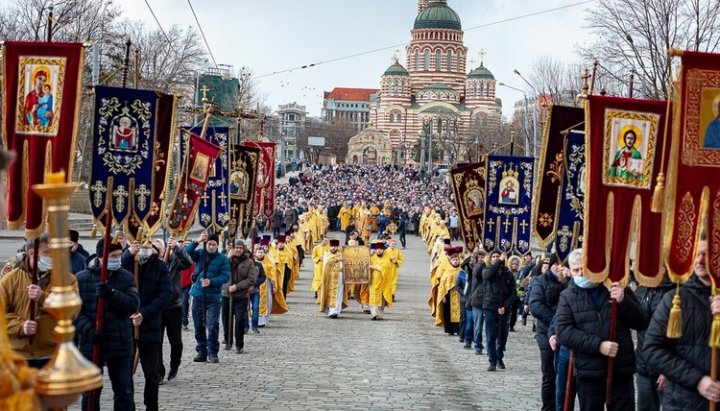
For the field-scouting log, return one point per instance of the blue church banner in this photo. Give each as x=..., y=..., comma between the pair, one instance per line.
x=123, y=148
x=569, y=224
x=213, y=212
x=509, y=201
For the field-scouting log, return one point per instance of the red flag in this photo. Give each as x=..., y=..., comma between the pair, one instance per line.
x=623, y=147
x=196, y=170
x=265, y=187
x=694, y=169
x=41, y=99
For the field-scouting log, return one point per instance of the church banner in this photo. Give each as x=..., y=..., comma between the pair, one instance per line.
x=509, y=191
x=41, y=91
x=197, y=167
x=213, y=210
x=125, y=141
x=265, y=184
x=551, y=167
x=468, y=185
x=624, y=137
x=243, y=178
x=164, y=140
x=569, y=224
x=693, y=178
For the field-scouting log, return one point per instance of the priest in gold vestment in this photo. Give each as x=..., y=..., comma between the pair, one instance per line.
x=447, y=311
x=333, y=297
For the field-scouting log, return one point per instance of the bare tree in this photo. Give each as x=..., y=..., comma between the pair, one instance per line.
x=634, y=36
x=337, y=135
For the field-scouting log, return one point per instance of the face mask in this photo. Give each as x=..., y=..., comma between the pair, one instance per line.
x=584, y=283
x=113, y=264
x=44, y=263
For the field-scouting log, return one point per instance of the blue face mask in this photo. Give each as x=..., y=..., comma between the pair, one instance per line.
x=584, y=283
x=113, y=264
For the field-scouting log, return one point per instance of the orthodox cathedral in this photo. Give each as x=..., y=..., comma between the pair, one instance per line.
x=433, y=94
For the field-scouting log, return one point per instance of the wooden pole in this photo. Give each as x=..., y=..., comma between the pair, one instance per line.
x=126, y=63
x=33, y=303
x=569, y=384
x=611, y=361
x=49, y=26
x=100, y=310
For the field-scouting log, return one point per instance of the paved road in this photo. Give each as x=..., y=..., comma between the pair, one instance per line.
x=303, y=361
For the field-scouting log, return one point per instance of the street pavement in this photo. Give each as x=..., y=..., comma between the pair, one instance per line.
x=304, y=361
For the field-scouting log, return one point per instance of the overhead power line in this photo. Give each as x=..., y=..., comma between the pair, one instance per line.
x=202, y=33
x=161, y=28
x=494, y=23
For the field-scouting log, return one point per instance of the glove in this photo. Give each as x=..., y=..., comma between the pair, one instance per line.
x=103, y=290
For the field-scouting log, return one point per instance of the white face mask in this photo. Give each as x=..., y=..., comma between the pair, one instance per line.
x=44, y=263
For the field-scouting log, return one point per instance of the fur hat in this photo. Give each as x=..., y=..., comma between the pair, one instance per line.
x=114, y=246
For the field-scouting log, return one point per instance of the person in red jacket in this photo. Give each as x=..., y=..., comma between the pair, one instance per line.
x=185, y=284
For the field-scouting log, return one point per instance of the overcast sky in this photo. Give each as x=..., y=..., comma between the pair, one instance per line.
x=274, y=35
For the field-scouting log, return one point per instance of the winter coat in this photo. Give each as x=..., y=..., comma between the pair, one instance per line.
x=476, y=286
x=177, y=263
x=218, y=272
x=261, y=277
x=686, y=360
x=243, y=275
x=498, y=287
x=155, y=294
x=582, y=322
x=116, y=340
x=77, y=259
x=13, y=290
x=649, y=301
x=543, y=305
x=277, y=219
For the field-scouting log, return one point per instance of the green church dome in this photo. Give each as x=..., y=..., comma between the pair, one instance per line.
x=396, y=70
x=438, y=15
x=481, y=73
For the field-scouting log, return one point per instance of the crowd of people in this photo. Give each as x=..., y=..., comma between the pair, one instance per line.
x=581, y=355
x=155, y=289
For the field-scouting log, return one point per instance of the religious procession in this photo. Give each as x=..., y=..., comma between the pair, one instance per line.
x=170, y=243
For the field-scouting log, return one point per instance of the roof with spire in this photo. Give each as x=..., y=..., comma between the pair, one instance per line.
x=438, y=15
x=396, y=70
x=481, y=73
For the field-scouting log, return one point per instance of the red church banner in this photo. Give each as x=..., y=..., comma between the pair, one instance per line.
x=196, y=170
x=265, y=185
x=693, y=177
x=624, y=138
x=41, y=98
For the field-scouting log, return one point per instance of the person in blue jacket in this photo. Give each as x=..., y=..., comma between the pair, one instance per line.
x=212, y=270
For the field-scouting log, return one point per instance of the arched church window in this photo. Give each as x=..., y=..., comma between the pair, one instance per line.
x=427, y=59
x=417, y=59
x=438, y=60
x=449, y=60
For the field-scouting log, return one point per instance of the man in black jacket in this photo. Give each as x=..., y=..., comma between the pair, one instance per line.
x=172, y=314
x=243, y=275
x=582, y=323
x=498, y=295
x=155, y=294
x=649, y=383
x=121, y=300
x=277, y=222
x=543, y=305
x=254, y=296
x=685, y=361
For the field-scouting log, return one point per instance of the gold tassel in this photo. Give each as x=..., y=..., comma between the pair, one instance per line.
x=93, y=231
x=675, y=320
x=658, y=199
x=715, y=332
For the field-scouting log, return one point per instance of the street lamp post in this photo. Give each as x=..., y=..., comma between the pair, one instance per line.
x=534, y=111
x=525, y=116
